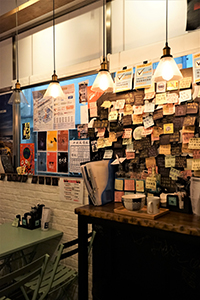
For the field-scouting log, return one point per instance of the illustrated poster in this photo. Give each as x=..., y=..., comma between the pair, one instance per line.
x=27, y=156
x=52, y=162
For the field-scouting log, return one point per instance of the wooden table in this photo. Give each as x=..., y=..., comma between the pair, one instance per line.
x=15, y=239
x=132, y=253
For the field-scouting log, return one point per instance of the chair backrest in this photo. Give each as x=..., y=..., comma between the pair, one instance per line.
x=63, y=252
x=8, y=284
x=66, y=246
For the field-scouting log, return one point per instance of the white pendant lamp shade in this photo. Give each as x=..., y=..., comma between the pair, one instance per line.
x=54, y=89
x=17, y=96
x=103, y=82
x=167, y=69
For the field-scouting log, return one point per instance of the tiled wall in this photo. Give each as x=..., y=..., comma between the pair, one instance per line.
x=18, y=197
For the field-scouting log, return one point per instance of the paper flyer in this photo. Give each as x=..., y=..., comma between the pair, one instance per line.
x=71, y=190
x=123, y=80
x=64, y=109
x=143, y=76
x=79, y=152
x=196, y=67
x=42, y=112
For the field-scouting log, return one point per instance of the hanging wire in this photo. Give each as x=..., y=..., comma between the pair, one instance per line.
x=54, y=44
x=104, y=31
x=16, y=41
x=167, y=22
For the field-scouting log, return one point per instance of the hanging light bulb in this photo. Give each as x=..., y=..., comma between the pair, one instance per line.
x=54, y=89
x=17, y=95
x=167, y=68
x=103, y=81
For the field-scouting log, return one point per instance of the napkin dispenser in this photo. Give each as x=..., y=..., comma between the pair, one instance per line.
x=99, y=178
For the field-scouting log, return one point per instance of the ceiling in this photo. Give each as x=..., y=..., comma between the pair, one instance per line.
x=33, y=13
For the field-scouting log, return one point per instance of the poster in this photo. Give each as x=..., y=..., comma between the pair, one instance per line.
x=123, y=80
x=52, y=162
x=42, y=112
x=71, y=190
x=62, y=140
x=79, y=152
x=27, y=156
x=6, y=135
x=26, y=131
x=52, y=140
x=143, y=76
x=62, y=162
x=196, y=67
x=42, y=161
x=42, y=137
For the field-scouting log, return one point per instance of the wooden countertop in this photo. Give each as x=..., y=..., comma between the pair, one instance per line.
x=173, y=221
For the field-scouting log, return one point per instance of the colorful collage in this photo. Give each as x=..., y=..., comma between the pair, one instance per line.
x=53, y=151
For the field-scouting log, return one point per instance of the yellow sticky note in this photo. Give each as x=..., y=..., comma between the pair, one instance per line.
x=119, y=184
x=196, y=164
x=139, y=186
x=165, y=149
x=170, y=161
x=168, y=128
x=151, y=183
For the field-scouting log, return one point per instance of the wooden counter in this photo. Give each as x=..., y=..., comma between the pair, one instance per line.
x=132, y=254
x=173, y=221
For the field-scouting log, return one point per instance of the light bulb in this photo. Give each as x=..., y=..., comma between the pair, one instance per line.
x=167, y=70
x=103, y=84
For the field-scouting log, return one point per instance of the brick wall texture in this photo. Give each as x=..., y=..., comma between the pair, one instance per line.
x=18, y=198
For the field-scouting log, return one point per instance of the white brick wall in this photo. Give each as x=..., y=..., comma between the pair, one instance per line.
x=18, y=197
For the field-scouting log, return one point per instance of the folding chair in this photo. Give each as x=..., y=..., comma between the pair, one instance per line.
x=17, y=279
x=59, y=275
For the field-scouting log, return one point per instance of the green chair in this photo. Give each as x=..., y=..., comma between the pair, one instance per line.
x=58, y=275
x=10, y=283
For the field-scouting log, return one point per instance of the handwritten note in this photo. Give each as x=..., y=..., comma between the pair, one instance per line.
x=148, y=122
x=194, y=143
x=119, y=184
x=161, y=98
x=150, y=162
x=172, y=98
x=165, y=149
x=185, y=95
x=137, y=119
x=186, y=137
x=168, y=109
x=196, y=153
x=170, y=161
x=138, y=110
x=151, y=183
x=185, y=83
x=174, y=173
x=196, y=164
x=129, y=185
x=172, y=85
x=139, y=186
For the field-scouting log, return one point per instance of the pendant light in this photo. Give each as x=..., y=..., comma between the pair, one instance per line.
x=167, y=68
x=103, y=81
x=54, y=89
x=17, y=95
